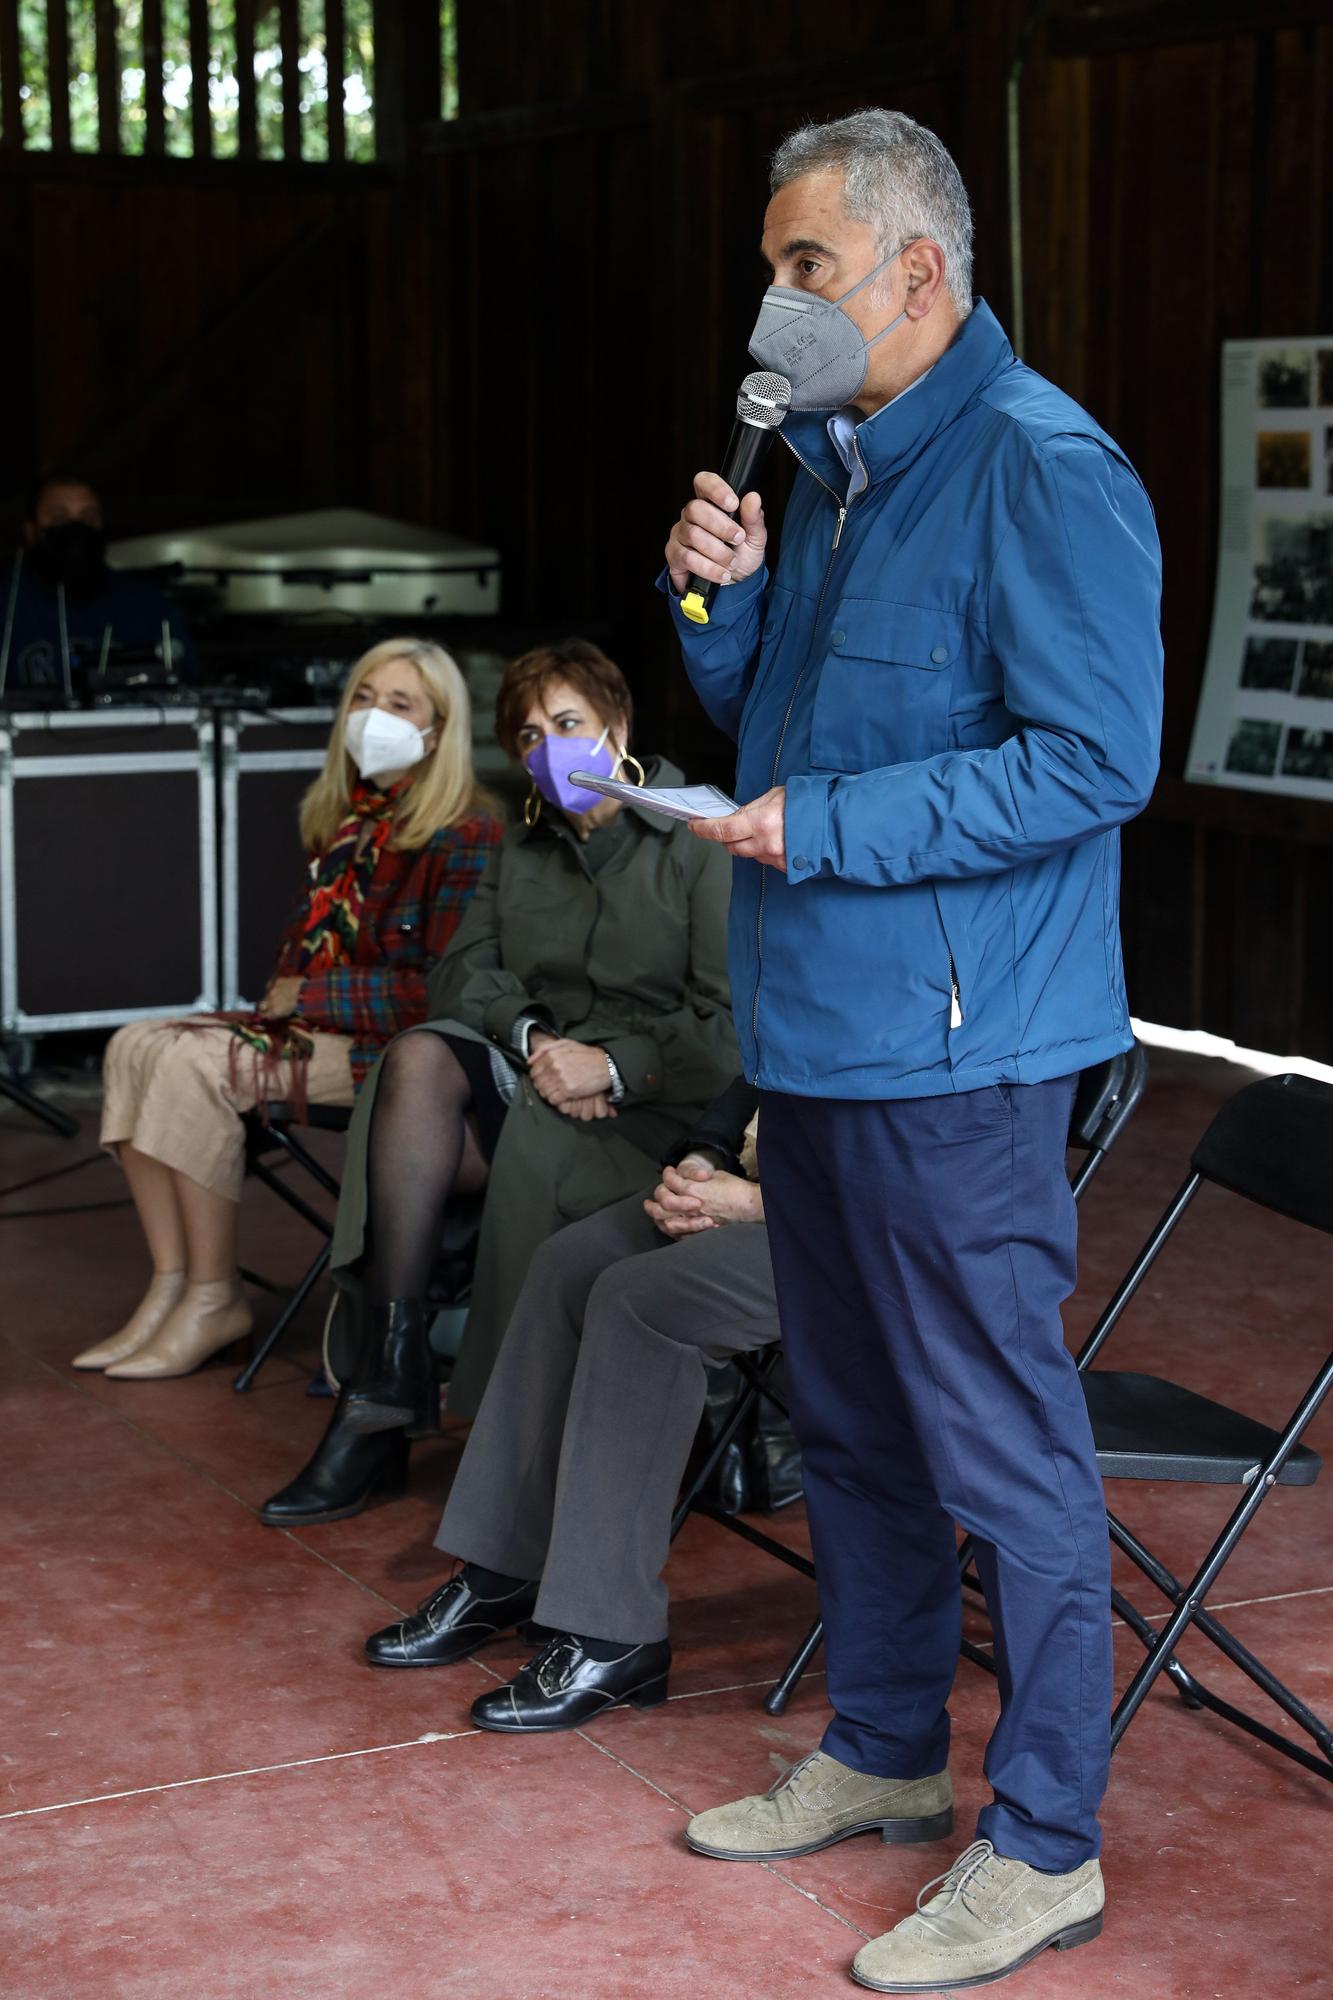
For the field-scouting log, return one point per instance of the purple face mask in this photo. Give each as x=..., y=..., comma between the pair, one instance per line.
x=551, y=761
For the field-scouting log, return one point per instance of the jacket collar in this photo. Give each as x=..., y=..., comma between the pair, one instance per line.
x=898, y=433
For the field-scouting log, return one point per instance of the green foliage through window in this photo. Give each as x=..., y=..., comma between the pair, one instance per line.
x=177, y=84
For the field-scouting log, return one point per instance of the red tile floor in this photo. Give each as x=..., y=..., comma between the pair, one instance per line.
x=205, y=1792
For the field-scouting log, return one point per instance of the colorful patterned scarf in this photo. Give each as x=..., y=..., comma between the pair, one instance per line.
x=339, y=880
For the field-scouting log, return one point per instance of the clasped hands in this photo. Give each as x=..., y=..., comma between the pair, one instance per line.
x=698, y=1195
x=571, y=1077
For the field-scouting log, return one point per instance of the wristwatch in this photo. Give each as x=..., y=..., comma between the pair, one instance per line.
x=617, y=1091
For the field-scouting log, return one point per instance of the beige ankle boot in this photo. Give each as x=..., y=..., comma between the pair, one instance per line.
x=208, y=1317
x=158, y=1301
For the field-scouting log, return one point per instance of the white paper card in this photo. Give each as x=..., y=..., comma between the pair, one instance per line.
x=682, y=802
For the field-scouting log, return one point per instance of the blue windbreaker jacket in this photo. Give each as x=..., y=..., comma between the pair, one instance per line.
x=957, y=677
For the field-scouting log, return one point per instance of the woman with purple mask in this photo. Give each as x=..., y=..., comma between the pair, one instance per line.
x=579, y=1024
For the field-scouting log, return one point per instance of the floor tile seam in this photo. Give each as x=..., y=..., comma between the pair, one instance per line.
x=255, y=1771
x=1237, y=1603
x=741, y=1687
x=1160, y=1617
x=84, y=1390
x=633, y=1771
x=220, y=1486
x=768, y=1867
x=402, y=1610
x=771, y=1868
x=679, y=1805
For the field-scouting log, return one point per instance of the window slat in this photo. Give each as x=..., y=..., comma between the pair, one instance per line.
x=247, y=112
x=289, y=17
x=154, y=112
x=57, y=73
x=108, y=77
x=201, y=123
x=11, y=77
x=336, y=50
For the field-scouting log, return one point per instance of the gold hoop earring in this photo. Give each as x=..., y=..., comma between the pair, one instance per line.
x=532, y=807
x=627, y=758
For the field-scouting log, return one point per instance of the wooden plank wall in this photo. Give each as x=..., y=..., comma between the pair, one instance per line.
x=197, y=345
x=532, y=334
x=1180, y=193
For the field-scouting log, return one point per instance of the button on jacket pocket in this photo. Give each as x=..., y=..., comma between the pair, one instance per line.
x=883, y=695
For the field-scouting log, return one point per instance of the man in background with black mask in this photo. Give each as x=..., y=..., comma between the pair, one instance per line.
x=64, y=612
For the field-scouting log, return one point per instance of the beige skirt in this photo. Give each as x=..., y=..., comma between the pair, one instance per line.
x=168, y=1091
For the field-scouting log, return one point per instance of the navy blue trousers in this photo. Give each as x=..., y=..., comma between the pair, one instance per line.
x=922, y=1249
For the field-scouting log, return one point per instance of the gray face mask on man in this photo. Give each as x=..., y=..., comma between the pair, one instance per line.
x=815, y=344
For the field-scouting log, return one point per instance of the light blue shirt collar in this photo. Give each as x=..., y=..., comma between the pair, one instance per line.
x=842, y=429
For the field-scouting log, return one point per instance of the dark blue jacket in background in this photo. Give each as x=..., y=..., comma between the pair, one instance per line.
x=958, y=680
x=131, y=605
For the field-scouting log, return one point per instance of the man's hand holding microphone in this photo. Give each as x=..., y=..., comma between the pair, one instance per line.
x=720, y=538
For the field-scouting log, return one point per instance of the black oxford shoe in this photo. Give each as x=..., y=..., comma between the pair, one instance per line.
x=562, y=1688
x=451, y=1623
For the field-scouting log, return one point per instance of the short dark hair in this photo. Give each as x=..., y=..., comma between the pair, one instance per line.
x=56, y=475
x=585, y=667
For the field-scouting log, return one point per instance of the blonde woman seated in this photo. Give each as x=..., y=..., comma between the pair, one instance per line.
x=397, y=831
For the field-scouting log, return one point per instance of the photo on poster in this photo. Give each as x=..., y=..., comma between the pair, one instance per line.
x=1283, y=459
x=1269, y=663
x=1264, y=721
x=1253, y=748
x=1309, y=754
x=1316, y=681
x=1292, y=582
x=1284, y=379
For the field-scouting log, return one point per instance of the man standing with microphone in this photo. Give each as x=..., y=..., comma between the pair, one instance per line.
x=946, y=694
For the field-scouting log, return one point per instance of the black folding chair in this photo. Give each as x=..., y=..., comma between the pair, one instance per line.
x=1272, y=1143
x=37, y=1107
x=1106, y=1099
x=275, y=1130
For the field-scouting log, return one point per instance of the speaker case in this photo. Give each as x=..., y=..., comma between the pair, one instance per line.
x=97, y=930
x=266, y=764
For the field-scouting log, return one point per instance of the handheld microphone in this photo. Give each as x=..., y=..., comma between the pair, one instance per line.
x=761, y=404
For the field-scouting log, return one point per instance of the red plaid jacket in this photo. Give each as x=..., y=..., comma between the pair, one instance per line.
x=413, y=906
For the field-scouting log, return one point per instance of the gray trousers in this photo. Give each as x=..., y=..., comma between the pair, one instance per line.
x=574, y=1461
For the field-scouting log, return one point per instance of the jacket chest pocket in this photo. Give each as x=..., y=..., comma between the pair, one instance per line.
x=884, y=686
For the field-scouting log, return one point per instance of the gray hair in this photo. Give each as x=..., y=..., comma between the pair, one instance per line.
x=898, y=177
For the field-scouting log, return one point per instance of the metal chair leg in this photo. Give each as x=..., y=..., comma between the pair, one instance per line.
x=689, y=1500
x=775, y=1701
x=46, y=1114
x=263, y=1172
x=245, y=1379
x=259, y=1281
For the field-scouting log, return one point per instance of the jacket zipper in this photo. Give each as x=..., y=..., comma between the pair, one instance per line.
x=843, y=508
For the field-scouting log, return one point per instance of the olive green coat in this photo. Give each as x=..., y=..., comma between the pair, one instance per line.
x=621, y=941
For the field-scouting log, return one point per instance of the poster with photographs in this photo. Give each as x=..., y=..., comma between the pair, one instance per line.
x=1265, y=719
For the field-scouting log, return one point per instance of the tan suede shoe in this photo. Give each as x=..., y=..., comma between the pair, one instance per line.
x=817, y=1802
x=991, y=1916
